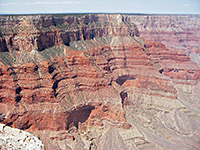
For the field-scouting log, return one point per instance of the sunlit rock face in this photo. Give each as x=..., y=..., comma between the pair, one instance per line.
x=11, y=138
x=178, y=32
x=91, y=82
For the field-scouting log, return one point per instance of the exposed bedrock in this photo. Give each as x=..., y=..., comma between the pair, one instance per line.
x=178, y=32
x=43, y=31
x=123, y=79
x=93, y=89
x=79, y=116
x=11, y=138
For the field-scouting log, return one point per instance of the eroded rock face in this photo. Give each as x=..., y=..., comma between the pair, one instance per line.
x=45, y=31
x=112, y=140
x=79, y=116
x=112, y=90
x=178, y=32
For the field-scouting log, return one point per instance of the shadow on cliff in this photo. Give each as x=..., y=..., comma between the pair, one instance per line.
x=78, y=115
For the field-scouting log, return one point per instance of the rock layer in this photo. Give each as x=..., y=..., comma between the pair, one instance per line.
x=45, y=31
x=178, y=32
x=96, y=92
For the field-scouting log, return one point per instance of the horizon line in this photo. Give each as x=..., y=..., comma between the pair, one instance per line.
x=68, y=13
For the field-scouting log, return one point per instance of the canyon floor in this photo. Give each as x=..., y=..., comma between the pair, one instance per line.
x=100, y=82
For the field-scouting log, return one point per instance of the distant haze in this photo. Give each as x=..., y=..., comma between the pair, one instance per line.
x=103, y=6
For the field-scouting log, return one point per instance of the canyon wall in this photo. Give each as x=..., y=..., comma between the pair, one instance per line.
x=105, y=88
x=178, y=32
x=45, y=31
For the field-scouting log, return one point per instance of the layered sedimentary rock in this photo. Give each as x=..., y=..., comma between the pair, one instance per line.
x=178, y=32
x=109, y=90
x=46, y=31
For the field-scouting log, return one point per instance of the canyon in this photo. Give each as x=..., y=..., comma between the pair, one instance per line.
x=177, y=32
x=102, y=81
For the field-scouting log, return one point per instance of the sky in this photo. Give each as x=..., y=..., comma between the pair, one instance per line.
x=102, y=6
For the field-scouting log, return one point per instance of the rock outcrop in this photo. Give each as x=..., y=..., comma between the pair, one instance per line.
x=11, y=138
x=103, y=87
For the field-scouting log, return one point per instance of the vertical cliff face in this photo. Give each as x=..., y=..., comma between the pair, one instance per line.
x=41, y=32
x=90, y=82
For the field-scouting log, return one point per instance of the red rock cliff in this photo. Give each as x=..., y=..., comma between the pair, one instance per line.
x=109, y=90
x=46, y=31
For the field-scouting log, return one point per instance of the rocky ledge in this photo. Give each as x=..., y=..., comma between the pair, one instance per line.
x=11, y=138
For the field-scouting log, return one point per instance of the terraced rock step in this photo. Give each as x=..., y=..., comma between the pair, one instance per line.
x=178, y=32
